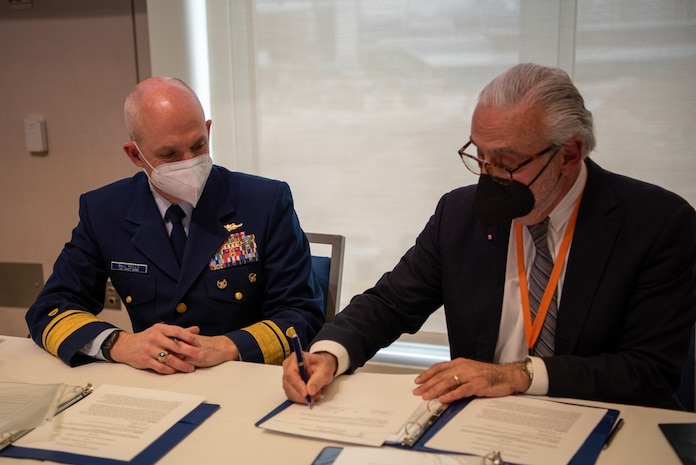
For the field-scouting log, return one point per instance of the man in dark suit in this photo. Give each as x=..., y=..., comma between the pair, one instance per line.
x=607, y=313
x=234, y=277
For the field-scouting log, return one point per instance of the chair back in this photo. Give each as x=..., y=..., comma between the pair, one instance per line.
x=328, y=267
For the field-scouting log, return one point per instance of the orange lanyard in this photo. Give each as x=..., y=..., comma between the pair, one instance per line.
x=532, y=330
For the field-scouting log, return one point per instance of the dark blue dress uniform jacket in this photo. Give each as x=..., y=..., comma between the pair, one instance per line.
x=121, y=235
x=627, y=308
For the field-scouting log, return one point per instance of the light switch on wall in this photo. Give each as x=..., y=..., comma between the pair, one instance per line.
x=35, y=134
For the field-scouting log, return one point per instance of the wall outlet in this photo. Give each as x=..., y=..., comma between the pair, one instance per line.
x=112, y=301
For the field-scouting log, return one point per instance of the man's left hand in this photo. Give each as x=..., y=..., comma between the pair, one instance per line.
x=461, y=377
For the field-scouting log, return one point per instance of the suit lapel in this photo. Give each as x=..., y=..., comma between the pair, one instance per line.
x=206, y=232
x=151, y=237
x=594, y=238
x=486, y=301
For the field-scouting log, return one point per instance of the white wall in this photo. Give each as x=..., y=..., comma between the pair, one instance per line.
x=71, y=62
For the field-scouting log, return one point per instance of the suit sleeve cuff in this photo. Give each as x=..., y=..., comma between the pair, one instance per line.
x=335, y=349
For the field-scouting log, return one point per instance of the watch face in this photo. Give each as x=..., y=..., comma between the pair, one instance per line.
x=528, y=368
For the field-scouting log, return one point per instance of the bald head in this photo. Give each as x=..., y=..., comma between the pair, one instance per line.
x=157, y=103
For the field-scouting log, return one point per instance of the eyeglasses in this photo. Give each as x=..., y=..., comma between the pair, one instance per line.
x=498, y=173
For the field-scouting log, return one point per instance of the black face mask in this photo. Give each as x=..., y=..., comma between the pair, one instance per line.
x=495, y=203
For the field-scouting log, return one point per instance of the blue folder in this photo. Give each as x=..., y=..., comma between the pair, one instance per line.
x=586, y=455
x=149, y=455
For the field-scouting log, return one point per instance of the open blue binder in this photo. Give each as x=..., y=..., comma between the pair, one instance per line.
x=586, y=455
x=149, y=455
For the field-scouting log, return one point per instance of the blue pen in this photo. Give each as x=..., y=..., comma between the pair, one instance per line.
x=297, y=347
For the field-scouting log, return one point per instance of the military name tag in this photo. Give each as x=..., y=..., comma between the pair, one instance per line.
x=129, y=267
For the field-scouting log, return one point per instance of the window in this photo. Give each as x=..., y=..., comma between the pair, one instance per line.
x=361, y=105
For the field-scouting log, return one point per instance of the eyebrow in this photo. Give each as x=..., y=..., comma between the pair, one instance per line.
x=498, y=150
x=165, y=149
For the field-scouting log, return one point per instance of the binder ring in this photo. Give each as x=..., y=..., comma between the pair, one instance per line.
x=413, y=430
x=494, y=458
x=434, y=406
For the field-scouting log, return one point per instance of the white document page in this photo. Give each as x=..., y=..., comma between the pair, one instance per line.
x=115, y=422
x=394, y=456
x=25, y=405
x=524, y=430
x=363, y=408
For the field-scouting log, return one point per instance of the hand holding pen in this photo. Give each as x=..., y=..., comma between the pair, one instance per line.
x=297, y=348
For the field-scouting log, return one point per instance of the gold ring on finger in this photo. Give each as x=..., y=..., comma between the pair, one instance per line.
x=456, y=380
x=162, y=356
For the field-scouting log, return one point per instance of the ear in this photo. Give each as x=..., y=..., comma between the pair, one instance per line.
x=132, y=153
x=572, y=153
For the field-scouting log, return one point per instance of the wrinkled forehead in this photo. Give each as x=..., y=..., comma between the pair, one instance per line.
x=516, y=129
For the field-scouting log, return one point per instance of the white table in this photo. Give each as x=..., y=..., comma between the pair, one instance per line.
x=247, y=391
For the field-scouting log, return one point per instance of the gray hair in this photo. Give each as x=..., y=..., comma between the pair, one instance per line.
x=551, y=90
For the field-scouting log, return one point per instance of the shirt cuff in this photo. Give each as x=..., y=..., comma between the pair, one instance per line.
x=540, y=381
x=335, y=349
x=93, y=347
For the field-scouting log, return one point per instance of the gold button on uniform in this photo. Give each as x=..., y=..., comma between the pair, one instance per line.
x=222, y=284
x=129, y=299
x=252, y=277
x=238, y=295
x=181, y=307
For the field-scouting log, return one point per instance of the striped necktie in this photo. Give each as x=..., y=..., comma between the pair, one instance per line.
x=538, y=278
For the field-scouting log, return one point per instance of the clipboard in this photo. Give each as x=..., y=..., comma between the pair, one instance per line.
x=151, y=454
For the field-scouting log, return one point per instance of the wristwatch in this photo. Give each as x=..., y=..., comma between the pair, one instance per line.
x=108, y=344
x=528, y=368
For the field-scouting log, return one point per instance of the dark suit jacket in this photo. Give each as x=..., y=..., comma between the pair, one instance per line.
x=121, y=236
x=628, y=303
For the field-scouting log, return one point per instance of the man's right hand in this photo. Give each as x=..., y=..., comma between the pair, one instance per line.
x=320, y=368
x=141, y=350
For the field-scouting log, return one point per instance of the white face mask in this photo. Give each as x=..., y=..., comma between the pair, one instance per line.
x=183, y=179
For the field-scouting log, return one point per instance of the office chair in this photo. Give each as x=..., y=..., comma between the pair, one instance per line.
x=329, y=269
x=20, y=283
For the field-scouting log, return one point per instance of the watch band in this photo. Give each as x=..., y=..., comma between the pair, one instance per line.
x=528, y=368
x=109, y=344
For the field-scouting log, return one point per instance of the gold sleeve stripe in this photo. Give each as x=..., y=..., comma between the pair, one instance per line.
x=271, y=340
x=62, y=326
